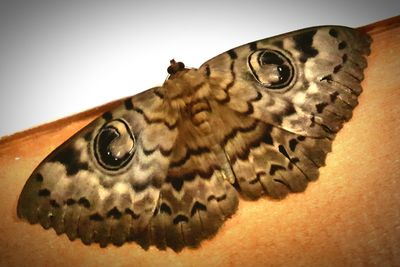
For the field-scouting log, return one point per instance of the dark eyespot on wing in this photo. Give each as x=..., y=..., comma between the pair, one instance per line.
x=106, y=137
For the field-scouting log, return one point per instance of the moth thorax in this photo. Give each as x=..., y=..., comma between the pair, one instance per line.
x=200, y=112
x=186, y=87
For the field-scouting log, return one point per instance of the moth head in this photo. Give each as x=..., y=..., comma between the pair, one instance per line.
x=114, y=145
x=272, y=69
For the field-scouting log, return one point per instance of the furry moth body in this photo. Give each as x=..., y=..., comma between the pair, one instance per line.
x=166, y=168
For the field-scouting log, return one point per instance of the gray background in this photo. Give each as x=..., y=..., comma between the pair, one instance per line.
x=62, y=57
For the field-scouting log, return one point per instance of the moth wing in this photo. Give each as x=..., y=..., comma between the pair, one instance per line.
x=299, y=88
x=306, y=82
x=103, y=184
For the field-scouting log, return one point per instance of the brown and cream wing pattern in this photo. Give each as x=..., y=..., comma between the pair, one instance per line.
x=167, y=167
x=299, y=88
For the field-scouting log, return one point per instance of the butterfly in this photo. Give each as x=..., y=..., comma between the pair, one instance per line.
x=167, y=167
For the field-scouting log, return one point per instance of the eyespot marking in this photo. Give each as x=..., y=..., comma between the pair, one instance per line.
x=271, y=69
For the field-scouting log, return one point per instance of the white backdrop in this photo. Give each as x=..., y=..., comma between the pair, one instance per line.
x=58, y=58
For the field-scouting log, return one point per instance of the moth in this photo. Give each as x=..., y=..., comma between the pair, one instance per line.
x=167, y=167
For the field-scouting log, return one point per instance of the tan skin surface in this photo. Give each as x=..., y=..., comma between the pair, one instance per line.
x=350, y=216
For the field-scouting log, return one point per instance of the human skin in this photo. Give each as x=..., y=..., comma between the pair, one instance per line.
x=349, y=216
